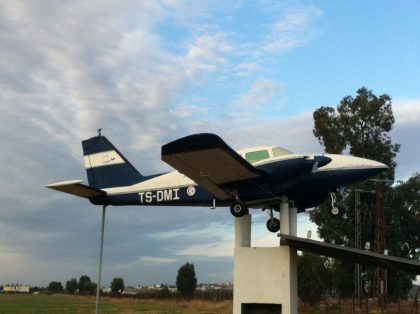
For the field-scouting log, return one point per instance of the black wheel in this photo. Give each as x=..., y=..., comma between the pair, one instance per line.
x=273, y=224
x=238, y=209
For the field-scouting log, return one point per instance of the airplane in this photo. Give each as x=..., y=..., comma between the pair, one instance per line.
x=210, y=173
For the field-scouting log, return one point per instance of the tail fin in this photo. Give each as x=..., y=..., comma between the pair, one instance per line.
x=106, y=167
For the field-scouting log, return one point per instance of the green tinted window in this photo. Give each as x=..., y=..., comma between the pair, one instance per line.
x=257, y=156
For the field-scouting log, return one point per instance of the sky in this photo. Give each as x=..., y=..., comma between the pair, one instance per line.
x=149, y=72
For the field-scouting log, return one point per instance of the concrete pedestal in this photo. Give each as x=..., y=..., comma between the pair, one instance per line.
x=265, y=279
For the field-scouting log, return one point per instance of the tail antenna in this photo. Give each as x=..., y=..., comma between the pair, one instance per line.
x=99, y=132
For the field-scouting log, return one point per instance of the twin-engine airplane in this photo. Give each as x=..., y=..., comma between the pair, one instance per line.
x=210, y=173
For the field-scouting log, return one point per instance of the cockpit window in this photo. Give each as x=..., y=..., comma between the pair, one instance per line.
x=278, y=151
x=253, y=157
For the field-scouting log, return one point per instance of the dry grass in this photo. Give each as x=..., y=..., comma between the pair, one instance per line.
x=346, y=307
x=72, y=304
x=176, y=306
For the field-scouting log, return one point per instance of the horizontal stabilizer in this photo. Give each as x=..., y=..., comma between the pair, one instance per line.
x=76, y=187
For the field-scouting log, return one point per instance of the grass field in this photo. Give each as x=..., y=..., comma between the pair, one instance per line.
x=66, y=304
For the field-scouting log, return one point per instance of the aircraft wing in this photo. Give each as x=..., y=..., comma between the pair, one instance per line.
x=209, y=161
x=75, y=187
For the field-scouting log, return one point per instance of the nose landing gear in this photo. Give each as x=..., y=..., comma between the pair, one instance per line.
x=336, y=210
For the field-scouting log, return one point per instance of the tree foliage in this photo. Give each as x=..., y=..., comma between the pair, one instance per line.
x=360, y=125
x=72, y=285
x=313, y=278
x=403, y=218
x=55, y=287
x=86, y=285
x=186, y=281
x=117, y=285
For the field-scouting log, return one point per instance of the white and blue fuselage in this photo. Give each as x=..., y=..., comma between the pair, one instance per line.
x=211, y=174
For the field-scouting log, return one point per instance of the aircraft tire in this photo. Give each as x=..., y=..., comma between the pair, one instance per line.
x=238, y=209
x=337, y=211
x=273, y=225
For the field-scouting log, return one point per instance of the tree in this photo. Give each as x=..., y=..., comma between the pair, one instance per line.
x=165, y=292
x=72, y=285
x=186, y=281
x=86, y=285
x=55, y=287
x=361, y=126
x=404, y=219
x=313, y=278
x=117, y=285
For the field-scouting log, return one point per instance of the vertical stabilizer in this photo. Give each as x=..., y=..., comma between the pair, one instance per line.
x=106, y=167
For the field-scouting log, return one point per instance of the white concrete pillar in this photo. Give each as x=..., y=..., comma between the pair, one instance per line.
x=284, y=216
x=243, y=231
x=265, y=276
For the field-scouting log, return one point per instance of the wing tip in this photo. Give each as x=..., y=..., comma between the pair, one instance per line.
x=63, y=183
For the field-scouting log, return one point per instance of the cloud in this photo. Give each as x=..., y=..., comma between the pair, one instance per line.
x=64, y=74
x=205, y=52
x=155, y=260
x=246, y=69
x=261, y=92
x=407, y=111
x=294, y=29
x=405, y=132
x=224, y=248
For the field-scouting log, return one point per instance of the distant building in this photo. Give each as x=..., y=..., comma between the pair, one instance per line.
x=130, y=290
x=16, y=288
x=214, y=286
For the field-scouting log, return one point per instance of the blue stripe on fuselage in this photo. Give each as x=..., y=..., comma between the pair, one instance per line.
x=182, y=196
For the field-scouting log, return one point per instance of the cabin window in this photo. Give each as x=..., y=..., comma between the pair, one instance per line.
x=278, y=151
x=257, y=156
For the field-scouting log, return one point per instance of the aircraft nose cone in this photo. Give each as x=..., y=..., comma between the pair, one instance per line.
x=368, y=163
x=352, y=162
x=370, y=167
x=378, y=166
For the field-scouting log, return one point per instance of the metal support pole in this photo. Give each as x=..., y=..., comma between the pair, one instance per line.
x=101, y=250
x=358, y=245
